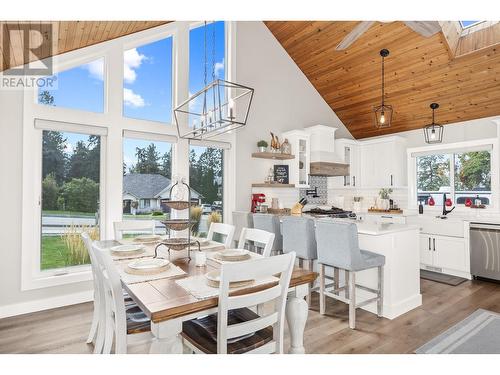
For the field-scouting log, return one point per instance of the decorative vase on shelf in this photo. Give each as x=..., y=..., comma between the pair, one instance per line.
x=286, y=147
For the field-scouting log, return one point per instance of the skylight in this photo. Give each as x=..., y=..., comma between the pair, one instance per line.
x=466, y=24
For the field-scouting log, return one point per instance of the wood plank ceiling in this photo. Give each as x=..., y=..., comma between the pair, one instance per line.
x=70, y=35
x=419, y=71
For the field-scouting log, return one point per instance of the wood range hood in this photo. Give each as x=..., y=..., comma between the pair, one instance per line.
x=324, y=160
x=328, y=169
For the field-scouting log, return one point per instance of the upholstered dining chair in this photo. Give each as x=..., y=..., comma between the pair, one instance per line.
x=236, y=328
x=338, y=248
x=140, y=226
x=254, y=239
x=224, y=230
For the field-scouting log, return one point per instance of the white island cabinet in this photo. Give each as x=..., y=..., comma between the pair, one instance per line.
x=400, y=245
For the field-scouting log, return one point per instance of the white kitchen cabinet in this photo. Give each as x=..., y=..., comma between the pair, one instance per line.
x=347, y=151
x=299, y=167
x=383, y=162
x=444, y=254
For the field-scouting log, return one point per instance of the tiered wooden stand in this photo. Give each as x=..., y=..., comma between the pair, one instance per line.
x=176, y=225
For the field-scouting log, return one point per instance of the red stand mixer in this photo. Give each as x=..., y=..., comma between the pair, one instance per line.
x=257, y=200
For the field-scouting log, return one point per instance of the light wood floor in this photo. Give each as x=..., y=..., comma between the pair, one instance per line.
x=64, y=330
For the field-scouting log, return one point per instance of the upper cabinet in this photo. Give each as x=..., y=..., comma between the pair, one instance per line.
x=376, y=163
x=299, y=167
x=383, y=162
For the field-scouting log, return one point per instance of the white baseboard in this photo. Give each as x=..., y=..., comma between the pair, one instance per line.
x=45, y=304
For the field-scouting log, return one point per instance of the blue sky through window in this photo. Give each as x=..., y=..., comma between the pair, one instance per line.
x=81, y=87
x=468, y=23
x=147, y=81
x=130, y=145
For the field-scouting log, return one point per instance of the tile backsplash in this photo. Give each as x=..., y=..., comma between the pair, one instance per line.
x=321, y=183
x=400, y=197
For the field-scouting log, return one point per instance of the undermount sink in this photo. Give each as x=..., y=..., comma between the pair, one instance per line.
x=438, y=225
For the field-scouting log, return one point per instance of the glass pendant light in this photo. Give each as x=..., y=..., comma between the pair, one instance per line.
x=382, y=114
x=221, y=106
x=433, y=133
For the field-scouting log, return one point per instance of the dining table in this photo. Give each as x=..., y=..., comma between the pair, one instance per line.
x=168, y=304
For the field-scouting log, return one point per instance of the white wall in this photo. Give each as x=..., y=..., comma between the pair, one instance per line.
x=11, y=151
x=284, y=100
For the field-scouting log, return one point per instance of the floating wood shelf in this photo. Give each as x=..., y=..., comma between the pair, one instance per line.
x=264, y=185
x=272, y=155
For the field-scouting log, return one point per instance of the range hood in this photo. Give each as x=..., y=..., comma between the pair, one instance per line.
x=324, y=160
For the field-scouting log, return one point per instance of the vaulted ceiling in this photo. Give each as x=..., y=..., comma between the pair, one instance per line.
x=463, y=77
x=68, y=36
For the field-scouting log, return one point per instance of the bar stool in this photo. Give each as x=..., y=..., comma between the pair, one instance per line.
x=299, y=237
x=241, y=219
x=338, y=248
x=270, y=223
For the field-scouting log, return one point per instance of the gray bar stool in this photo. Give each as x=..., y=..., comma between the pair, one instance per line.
x=338, y=248
x=299, y=236
x=241, y=219
x=270, y=223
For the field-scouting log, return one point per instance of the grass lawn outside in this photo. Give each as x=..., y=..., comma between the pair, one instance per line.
x=67, y=213
x=145, y=217
x=54, y=253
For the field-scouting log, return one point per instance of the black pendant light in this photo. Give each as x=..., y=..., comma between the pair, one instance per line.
x=433, y=133
x=382, y=114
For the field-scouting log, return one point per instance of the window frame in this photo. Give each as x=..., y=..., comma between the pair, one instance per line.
x=490, y=144
x=116, y=124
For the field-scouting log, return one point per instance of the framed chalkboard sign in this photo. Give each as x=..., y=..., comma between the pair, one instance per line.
x=281, y=174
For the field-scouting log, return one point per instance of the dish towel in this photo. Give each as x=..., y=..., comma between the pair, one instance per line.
x=197, y=286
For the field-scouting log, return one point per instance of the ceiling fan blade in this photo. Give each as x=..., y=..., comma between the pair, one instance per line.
x=350, y=38
x=424, y=28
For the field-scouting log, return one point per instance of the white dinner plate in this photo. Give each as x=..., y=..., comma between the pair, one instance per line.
x=126, y=248
x=148, y=264
x=213, y=279
x=147, y=238
x=233, y=254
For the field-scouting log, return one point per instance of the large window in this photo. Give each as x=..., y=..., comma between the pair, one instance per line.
x=70, y=197
x=197, y=54
x=206, y=173
x=462, y=175
x=147, y=170
x=77, y=88
x=147, y=81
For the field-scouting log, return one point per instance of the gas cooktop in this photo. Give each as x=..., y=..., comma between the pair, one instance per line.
x=334, y=212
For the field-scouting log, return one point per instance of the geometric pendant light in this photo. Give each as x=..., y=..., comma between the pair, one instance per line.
x=220, y=107
x=433, y=133
x=382, y=114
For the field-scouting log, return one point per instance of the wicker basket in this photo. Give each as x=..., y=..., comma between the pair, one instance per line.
x=177, y=224
x=178, y=243
x=178, y=205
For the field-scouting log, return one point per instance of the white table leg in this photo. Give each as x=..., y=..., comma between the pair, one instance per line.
x=296, y=316
x=167, y=339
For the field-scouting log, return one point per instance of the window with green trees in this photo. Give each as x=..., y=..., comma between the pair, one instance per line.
x=463, y=175
x=206, y=177
x=70, y=196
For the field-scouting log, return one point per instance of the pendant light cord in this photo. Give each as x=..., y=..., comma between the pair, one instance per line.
x=383, y=80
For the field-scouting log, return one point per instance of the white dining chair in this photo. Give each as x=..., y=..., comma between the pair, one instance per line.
x=136, y=226
x=96, y=334
x=123, y=325
x=236, y=328
x=257, y=238
x=241, y=219
x=225, y=230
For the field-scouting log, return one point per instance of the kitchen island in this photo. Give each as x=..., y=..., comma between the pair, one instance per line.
x=399, y=243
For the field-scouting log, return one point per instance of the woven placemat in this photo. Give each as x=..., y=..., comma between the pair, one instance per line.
x=153, y=271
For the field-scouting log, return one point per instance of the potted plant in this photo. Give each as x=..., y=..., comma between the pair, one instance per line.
x=384, y=198
x=262, y=145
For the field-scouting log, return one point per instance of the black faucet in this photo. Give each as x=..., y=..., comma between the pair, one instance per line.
x=445, y=211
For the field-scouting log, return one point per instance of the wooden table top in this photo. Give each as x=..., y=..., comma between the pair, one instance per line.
x=163, y=299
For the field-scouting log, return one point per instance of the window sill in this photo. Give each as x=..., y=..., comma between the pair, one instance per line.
x=52, y=278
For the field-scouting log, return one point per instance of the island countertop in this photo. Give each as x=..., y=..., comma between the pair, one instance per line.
x=374, y=229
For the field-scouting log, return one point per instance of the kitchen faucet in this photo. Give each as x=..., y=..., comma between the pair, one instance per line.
x=445, y=211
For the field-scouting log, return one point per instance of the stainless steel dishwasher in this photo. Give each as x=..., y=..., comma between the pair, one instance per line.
x=485, y=250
